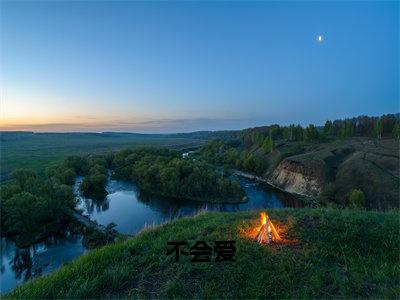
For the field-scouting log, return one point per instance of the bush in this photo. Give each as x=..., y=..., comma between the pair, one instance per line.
x=62, y=174
x=356, y=198
x=79, y=164
x=93, y=186
x=33, y=208
x=93, y=238
x=327, y=194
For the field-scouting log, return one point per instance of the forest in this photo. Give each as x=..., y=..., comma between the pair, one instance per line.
x=364, y=126
x=33, y=207
x=164, y=172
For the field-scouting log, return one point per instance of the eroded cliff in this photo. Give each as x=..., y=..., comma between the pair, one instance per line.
x=305, y=177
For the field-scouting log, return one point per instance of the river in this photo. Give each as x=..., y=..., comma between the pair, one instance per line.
x=131, y=210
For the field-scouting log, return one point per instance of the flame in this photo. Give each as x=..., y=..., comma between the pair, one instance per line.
x=263, y=218
x=271, y=228
x=276, y=234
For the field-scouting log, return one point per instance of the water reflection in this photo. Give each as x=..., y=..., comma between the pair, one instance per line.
x=97, y=205
x=131, y=210
x=20, y=264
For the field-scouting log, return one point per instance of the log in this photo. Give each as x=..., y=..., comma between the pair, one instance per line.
x=260, y=235
x=267, y=231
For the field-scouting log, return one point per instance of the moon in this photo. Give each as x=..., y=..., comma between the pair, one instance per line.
x=320, y=38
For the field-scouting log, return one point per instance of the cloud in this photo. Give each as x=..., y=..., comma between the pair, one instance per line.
x=143, y=126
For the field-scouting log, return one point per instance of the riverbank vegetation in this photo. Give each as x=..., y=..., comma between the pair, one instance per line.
x=331, y=254
x=35, y=207
x=165, y=173
x=94, y=238
x=360, y=153
x=95, y=178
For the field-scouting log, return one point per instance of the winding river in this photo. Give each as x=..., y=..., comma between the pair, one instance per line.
x=131, y=211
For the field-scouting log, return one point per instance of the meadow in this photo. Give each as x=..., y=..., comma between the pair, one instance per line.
x=39, y=150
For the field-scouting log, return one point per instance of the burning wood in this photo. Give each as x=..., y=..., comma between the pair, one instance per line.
x=267, y=232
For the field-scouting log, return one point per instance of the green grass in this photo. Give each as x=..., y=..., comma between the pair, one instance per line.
x=338, y=254
x=40, y=150
x=356, y=163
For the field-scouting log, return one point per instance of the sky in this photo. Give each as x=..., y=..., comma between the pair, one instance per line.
x=187, y=66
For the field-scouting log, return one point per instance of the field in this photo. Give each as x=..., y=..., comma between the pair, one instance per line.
x=39, y=150
x=326, y=254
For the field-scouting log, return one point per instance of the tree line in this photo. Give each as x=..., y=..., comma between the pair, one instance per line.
x=378, y=127
x=230, y=155
x=165, y=173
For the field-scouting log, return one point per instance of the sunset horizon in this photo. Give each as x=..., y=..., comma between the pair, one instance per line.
x=178, y=67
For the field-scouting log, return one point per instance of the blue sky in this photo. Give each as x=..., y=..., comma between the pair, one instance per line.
x=184, y=66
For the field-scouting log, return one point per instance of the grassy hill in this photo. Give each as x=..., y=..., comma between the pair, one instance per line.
x=364, y=163
x=326, y=254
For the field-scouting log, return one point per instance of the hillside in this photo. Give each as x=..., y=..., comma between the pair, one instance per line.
x=326, y=170
x=324, y=254
x=363, y=163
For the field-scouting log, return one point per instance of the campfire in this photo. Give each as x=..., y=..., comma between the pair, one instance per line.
x=267, y=232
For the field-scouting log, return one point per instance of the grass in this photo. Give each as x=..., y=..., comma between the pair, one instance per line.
x=337, y=254
x=364, y=163
x=40, y=150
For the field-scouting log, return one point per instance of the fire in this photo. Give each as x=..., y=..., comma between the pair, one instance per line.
x=267, y=230
x=263, y=218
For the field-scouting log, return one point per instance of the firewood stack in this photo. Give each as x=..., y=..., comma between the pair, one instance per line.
x=264, y=234
x=267, y=232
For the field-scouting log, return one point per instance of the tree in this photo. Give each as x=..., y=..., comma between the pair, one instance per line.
x=33, y=207
x=93, y=186
x=388, y=123
x=328, y=193
x=268, y=144
x=25, y=178
x=167, y=174
x=346, y=129
x=378, y=129
x=298, y=133
x=356, y=198
x=23, y=215
x=257, y=138
x=328, y=128
x=311, y=133
x=78, y=163
x=396, y=131
x=288, y=133
x=64, y=175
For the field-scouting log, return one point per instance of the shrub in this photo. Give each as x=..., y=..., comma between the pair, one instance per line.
x=93, y=186
x=356, y=198
x=328, y=193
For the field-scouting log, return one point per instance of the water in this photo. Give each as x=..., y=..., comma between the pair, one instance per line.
x=131, y=210
x=20, y=264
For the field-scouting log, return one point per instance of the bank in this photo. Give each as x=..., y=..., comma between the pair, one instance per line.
x=325, y=253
